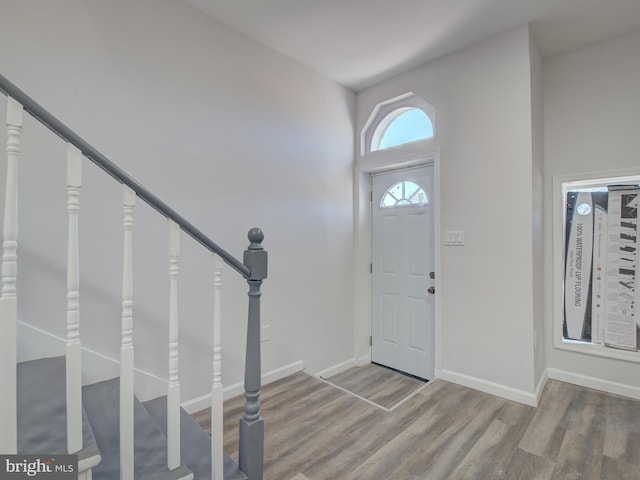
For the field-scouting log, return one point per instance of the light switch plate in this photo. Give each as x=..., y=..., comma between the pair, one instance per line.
x=454, y=237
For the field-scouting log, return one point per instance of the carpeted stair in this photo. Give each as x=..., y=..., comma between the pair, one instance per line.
x=42, y=427
x=198, y=454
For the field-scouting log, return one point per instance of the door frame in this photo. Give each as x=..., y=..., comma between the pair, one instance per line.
x=363, y=253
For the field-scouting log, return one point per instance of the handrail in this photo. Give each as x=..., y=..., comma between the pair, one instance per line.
x=66, y=134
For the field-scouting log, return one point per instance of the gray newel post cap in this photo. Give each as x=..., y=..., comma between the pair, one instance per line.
x=255, y=257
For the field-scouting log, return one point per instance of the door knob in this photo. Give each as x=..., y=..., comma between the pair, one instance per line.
x=431, y=290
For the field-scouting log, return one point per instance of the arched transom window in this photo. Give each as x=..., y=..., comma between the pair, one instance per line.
x=404, y=193
x=396, y=122
x=404, y=125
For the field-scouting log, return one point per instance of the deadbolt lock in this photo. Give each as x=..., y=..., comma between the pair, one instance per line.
x=432, y=274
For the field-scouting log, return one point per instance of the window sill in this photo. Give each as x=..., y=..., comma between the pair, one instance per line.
x=598, y=350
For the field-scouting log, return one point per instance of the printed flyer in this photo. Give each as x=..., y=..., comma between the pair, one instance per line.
x=600, y=287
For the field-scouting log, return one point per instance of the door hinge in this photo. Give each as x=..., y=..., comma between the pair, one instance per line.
x=370, y=340
x=371, y=268
x=371, y=196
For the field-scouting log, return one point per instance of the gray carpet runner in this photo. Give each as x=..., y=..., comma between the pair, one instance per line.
x=101, y=401
x=42, y=427
x=198, y=455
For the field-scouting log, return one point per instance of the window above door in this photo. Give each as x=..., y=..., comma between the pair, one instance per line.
x=396, y=122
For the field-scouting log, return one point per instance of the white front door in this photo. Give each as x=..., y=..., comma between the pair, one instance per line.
x=403, y=313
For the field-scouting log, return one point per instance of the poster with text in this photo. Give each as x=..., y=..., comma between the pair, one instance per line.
x=600, y=283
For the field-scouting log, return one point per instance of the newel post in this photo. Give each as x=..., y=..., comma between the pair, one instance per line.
x=251, y=448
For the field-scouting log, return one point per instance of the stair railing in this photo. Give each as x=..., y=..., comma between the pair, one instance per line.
x=253, y=269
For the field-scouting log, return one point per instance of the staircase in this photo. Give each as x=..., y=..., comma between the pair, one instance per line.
x=42, y=427
x=46, y=410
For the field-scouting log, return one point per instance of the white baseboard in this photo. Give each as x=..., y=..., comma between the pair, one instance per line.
x=363, y=360
x=336, y=369
x=200, y=403
x=540, y=387
x=595, y=383
x=521, y=396
x=35, y=343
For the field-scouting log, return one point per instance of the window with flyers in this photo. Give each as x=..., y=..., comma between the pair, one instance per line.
x=600, y=261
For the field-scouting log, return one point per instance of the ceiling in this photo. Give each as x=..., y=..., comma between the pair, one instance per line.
x=358, y=43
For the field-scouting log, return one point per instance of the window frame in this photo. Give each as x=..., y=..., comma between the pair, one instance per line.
x=382, y=116
x=561, y=184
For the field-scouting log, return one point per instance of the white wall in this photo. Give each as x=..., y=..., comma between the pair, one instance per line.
x=482, y=97
x=537, y=135
x=591, y=105
x=226, y=131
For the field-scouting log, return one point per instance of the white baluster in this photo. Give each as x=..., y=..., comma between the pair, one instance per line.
x=74, y=352
x=126, y=348
x=217, y=455
x=173, y=394
x=8, y=300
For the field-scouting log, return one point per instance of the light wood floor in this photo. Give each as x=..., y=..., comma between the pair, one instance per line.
x=380, y=385
x=444, y=432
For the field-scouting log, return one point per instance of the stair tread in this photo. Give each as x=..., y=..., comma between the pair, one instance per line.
x=102, y=403
x=196, y=443
x=42, y=426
